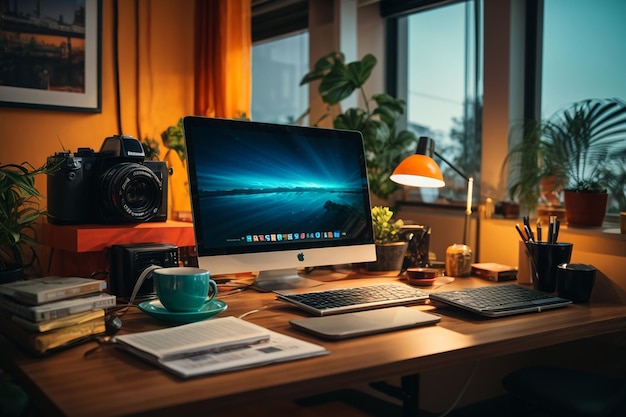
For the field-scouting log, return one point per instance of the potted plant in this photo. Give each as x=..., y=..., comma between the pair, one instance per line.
x=531, y=165
x=19, y=211
x=391, y=244
x=174, y=140
x=578, y=148
x=385, y=145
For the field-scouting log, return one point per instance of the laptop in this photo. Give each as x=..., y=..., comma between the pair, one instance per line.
x=363, y=323
x=500, y=300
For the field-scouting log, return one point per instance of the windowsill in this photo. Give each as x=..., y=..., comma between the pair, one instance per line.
x=609, y=230
x=455, y=206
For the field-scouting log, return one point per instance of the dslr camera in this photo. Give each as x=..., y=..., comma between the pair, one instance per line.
x=112, y=186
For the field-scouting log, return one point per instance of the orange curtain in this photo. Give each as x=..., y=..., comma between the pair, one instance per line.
x=222, y=71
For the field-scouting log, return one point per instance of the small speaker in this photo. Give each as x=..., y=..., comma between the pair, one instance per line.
x=129, y=261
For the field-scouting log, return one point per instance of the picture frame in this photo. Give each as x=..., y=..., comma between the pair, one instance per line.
x=53, y=56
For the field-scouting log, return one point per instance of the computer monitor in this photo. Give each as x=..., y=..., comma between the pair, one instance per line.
x=274, y=199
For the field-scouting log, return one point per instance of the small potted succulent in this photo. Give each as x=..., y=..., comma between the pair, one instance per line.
x=391, y=243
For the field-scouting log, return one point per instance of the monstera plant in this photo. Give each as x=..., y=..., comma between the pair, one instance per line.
x=385, y=144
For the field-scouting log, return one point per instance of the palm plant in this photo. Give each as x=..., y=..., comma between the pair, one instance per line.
x=19, y=210
x=385, y=145
x=582, y=139
x=574, y=146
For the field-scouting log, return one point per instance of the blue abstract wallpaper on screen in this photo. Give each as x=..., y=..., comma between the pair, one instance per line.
x=256, y=188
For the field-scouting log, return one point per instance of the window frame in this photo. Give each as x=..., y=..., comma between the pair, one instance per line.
x=396, y=13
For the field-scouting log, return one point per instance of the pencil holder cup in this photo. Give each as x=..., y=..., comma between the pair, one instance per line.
x=545, y=258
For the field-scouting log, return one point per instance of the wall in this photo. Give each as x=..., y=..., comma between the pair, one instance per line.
x=605, y=249
x=165, y=79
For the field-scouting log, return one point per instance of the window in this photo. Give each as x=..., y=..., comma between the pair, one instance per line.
x=583, y=56
x=443, y=78
x=277, y=67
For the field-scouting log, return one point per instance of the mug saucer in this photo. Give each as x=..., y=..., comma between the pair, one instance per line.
x=155, y=309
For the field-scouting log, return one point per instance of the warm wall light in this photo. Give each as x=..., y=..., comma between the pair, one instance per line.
x=421, y=170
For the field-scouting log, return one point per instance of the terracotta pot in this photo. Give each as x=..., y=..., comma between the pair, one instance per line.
x=510, y=210
x=585, y=209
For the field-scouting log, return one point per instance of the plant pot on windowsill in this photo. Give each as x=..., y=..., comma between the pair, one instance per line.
x=585, y=208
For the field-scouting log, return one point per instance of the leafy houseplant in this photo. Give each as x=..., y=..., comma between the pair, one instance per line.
x=173, y=139
x=390, y=243
x=581, y=147
x=385, y=145
x=385, y=231
x=19, y=210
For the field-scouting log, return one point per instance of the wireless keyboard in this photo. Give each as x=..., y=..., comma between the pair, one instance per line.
x=343, y=300
x=500, y=300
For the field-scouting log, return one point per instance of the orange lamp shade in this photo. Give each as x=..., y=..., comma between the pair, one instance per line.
x=418, y=171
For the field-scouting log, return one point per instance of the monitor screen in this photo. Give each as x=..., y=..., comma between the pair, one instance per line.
x=272, y=198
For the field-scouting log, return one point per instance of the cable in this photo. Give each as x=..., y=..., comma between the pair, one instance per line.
x=257, y=310
x=116, y=65
x=462, y=392
x=137, y=71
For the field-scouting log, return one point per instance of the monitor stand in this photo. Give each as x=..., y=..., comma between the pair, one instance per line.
x=282, y=279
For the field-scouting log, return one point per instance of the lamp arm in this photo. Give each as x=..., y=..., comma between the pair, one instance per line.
x=451, y=165
x=470, y=190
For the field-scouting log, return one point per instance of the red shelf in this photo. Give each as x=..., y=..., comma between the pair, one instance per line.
x=96, y=238
x=82, y=250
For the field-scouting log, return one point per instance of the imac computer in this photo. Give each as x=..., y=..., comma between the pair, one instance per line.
x=275, y=199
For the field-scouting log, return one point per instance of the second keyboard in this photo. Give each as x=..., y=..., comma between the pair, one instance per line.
x=343, y=300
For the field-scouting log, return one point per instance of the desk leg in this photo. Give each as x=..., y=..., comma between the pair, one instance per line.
x=408, y=393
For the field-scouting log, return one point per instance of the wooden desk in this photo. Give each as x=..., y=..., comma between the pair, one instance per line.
x=114, y=383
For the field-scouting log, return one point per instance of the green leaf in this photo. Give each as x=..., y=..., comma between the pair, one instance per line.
x=336, y=85
x=351, y=119
x=360, y=71
x=322, y=67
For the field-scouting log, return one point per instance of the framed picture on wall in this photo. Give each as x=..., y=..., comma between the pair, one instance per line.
x=51, y=54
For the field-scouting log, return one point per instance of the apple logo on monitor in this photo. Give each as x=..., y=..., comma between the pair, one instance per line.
x=301, y=257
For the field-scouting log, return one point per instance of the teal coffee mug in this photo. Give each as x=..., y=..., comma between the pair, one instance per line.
x=184, y=289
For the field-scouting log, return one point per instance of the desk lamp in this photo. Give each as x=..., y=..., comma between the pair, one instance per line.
x=421, y=170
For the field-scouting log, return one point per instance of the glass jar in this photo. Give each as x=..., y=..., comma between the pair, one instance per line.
x=458, y=260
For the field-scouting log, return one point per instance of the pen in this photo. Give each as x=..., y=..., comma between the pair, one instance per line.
x=521, y=233
x=529, y=231
x=538, y=230
x=557, y=226
x=551, y=229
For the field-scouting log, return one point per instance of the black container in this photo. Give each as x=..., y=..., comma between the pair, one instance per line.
x=575, y=281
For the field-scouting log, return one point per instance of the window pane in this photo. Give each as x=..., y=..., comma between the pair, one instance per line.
x=584, y=56
x=444, y=96
x=277, y=67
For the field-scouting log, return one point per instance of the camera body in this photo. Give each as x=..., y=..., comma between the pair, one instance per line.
x=112, y=186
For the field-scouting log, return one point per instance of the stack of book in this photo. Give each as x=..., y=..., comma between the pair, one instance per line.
x=46, y=314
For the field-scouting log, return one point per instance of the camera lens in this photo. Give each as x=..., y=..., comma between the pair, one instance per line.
x=131, y=192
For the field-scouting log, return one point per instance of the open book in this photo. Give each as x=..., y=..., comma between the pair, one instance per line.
x=217, y=345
